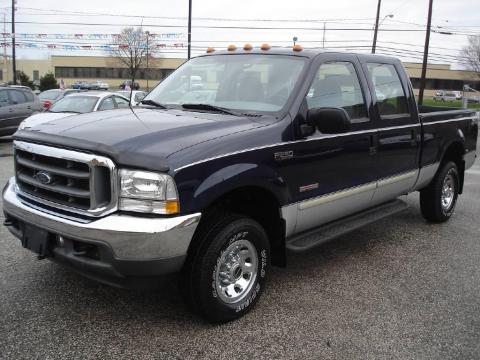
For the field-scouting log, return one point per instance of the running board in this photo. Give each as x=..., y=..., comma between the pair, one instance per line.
x=320, y=235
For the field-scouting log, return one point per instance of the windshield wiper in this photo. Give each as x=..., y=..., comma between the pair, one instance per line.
x=208, y=107
x=153, y=103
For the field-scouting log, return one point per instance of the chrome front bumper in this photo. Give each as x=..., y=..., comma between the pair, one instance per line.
x=129, y=237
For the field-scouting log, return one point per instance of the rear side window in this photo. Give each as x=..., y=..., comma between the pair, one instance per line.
x=336, y=84
x=17, y=97
x=4, y=100
x=389, y=91
x=29, y=96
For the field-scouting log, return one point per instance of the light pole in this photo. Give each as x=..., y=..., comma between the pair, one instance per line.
x=147, y=74
x=189, y=52
x=425, y=54
x=14, y=62
x=377, y=24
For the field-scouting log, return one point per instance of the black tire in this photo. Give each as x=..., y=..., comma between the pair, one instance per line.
x=431, y=204
x=199, y=283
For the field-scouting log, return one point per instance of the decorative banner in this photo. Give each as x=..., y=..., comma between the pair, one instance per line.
x=166, y=36
x=28, y=45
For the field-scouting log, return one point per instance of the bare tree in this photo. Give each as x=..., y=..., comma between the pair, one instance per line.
x=470, y=54
x=131, y=48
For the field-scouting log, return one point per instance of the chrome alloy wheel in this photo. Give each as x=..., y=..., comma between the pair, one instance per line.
x=236, y=271
x=448, y=192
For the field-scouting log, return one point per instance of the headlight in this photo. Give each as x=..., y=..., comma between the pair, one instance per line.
x=148, y=192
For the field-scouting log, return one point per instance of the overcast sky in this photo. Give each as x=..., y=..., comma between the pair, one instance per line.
x=458, y=17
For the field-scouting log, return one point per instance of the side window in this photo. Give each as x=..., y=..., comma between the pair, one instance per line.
x=107, y=104
x=30, y=97
x=336, y=84
x=4, y=100
x=17, y=97
x=121, y=103
x=389, y=91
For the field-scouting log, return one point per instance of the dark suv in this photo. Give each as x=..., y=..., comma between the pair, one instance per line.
x=16, y=104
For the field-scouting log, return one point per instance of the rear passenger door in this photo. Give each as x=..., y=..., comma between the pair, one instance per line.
x=398, y=130
x=20, y=105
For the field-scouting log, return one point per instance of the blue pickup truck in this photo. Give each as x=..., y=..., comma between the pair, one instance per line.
x=267, y=151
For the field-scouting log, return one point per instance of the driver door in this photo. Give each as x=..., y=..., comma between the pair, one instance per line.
x=333, y=174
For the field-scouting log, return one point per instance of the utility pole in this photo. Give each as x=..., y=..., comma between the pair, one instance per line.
x=5, y=62
x=14, y=63
x=375, y=33
x=324, y=30
x=425, y=54
x=148, y=72
x=189, y=29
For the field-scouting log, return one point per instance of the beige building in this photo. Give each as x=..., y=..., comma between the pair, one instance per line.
x=111, y=71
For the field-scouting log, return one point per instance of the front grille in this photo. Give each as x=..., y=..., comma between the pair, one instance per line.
x=71, y=180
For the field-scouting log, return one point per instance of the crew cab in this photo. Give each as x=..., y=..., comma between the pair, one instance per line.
x=291, y=148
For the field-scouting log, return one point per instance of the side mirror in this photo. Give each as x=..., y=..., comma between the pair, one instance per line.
x=329, y=120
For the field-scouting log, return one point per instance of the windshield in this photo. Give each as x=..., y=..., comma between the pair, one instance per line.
x=50, y=95
x=76, y=104
x=257, y=83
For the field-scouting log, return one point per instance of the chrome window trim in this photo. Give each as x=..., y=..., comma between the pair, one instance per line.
x=91, y=160
x=448, y=120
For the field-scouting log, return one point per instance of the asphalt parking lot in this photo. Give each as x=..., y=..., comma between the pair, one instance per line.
x=398, y=289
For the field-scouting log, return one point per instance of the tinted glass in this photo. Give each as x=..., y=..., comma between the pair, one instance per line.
x=4, y=100
x=76, y=104
x=121, y=102
x=139, y=96
x=50, y=95
x=17, y=97
x=389, y=91
x=336, y=84
x=240, y=82
x=107, y=104
x=30, y=97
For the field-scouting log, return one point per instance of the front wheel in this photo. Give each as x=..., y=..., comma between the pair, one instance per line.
x=225, y=275
x=438, y=200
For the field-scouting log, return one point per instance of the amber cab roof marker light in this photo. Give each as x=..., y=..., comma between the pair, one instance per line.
x=265, y=47
x=247, y=47
x=210, y=50
x=297, y=47
x=231, y=47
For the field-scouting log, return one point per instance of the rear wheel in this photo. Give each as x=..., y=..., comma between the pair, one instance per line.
x=224, y=276
x=438, y=200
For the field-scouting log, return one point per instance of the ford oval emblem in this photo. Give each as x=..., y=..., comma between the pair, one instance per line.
x=43, y=177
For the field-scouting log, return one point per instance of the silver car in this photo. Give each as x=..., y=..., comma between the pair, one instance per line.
x=83, y=102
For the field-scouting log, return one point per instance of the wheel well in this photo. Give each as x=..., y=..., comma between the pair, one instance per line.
x=260, y=205
x=455, y=153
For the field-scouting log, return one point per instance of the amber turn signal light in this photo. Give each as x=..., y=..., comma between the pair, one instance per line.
x=231, y=47
x=297, y=48
x=265, y=47
x=210, y=50
x=247, y=47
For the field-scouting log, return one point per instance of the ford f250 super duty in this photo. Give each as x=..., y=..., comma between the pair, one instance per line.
x=235, y=159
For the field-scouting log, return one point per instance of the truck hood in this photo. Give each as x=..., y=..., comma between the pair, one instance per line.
x=44, y=117
x=141, y=139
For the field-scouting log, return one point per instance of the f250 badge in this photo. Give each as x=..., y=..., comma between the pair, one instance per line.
x=283, y=155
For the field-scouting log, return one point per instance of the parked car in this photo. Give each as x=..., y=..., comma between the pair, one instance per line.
x=123, y=85
x=137, y=96
x=80, y=84
x=98, y=85
x=49, y=97
x=445, y=96
x=79, y=103
x=474, y=99
x=16, y=104
x=296, y=149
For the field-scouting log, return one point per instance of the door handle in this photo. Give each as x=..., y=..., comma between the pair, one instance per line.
x=413, y=141
x=11, y=110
